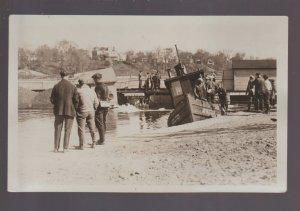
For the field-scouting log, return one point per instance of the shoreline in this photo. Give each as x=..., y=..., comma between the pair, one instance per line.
x=239, y=149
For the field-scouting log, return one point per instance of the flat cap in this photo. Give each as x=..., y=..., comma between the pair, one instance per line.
x=97, y=76
x=81, y=81
x=63, y=72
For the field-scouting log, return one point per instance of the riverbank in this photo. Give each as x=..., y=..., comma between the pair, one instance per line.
x=239, y=149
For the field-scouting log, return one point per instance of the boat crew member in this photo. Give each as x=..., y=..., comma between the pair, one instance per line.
x=65, y=100
x=250, y=91
x=210, y=89
x=88, y=103
x=199, y=89
x=100, y=116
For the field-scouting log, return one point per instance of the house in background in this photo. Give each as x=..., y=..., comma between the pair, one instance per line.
x=236, y=79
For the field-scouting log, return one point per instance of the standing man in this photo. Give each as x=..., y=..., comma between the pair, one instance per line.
x=210, y=90
x=267, y=94
x=88, y=103
x=147, y=82
x=100, y=117
x=151, y=81
x=250, y=91
x=223, y=99
x=140, y=79
x=158, y=77
x=199, y=89
x=260, y=89
x=65, y=100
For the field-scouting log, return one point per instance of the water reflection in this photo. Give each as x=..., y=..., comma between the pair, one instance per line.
x=118, y=123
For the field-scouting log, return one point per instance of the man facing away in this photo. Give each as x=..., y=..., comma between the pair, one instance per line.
x=102, y=110
x=260, y=89
x=250, y=91
x=65, y=100
x=88, y=103
x=267, y=94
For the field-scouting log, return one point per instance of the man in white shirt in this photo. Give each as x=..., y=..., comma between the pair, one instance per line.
x=88, y=103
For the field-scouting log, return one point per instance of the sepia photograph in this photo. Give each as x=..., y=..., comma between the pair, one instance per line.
x=147, y=103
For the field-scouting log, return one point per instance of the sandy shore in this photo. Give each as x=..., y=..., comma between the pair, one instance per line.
x=239, y=149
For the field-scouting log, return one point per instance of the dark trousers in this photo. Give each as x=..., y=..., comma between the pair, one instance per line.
x=259, y=101
x=58, y=124
x=250, y=101
x=140, y=83
x=267, y=101
x=210, y=97
x=82, y=118
x=100, y=120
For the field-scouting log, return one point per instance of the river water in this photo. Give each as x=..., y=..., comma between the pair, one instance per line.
x=123, y=121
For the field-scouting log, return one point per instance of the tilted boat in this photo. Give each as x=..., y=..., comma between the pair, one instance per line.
x=186, y=107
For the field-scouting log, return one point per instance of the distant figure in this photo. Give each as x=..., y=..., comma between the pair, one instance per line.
x=140, y=79
x=210, y=90
x=273, y=93
x=154, y=81
x=158, y=77
x=151, y=81
x=65, y=100
x=250, y=91
x=199, y=89
x=147, y=82
x=267, y=93
x=223, y=99
x=260, y=89
x=100, y=116
x=88, y=103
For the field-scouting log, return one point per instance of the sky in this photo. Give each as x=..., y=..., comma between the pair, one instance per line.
x=257, y=36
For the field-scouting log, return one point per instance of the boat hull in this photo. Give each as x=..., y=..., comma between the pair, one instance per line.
x=190, y=109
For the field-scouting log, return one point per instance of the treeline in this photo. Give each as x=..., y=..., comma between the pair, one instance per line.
x=65, y=55
x=161, y=59
x=68, y=55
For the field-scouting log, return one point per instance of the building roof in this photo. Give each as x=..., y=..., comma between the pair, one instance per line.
x=253, y=64
x=108, y=75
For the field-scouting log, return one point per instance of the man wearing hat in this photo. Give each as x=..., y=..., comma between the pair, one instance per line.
x=65, y=100
x=88, y=103
x=250, y=91
x=267, y=94
x=210, y=89
x=100, y=117
x=199, y=89
x=260, y=90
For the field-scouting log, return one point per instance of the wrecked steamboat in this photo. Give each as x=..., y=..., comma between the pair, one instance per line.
x=187, y=108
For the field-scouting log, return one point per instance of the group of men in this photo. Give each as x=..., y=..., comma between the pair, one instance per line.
x=152, y=81
x=260, y=92
x=208, y=89
x=84, y=103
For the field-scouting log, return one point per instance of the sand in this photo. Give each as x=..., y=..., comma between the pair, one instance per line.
x=238, y=149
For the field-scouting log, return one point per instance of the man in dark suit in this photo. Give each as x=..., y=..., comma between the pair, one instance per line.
x=260, y=90
x=100, y=116
x=65, y=100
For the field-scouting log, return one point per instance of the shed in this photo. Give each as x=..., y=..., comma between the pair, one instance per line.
x=237, y=78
